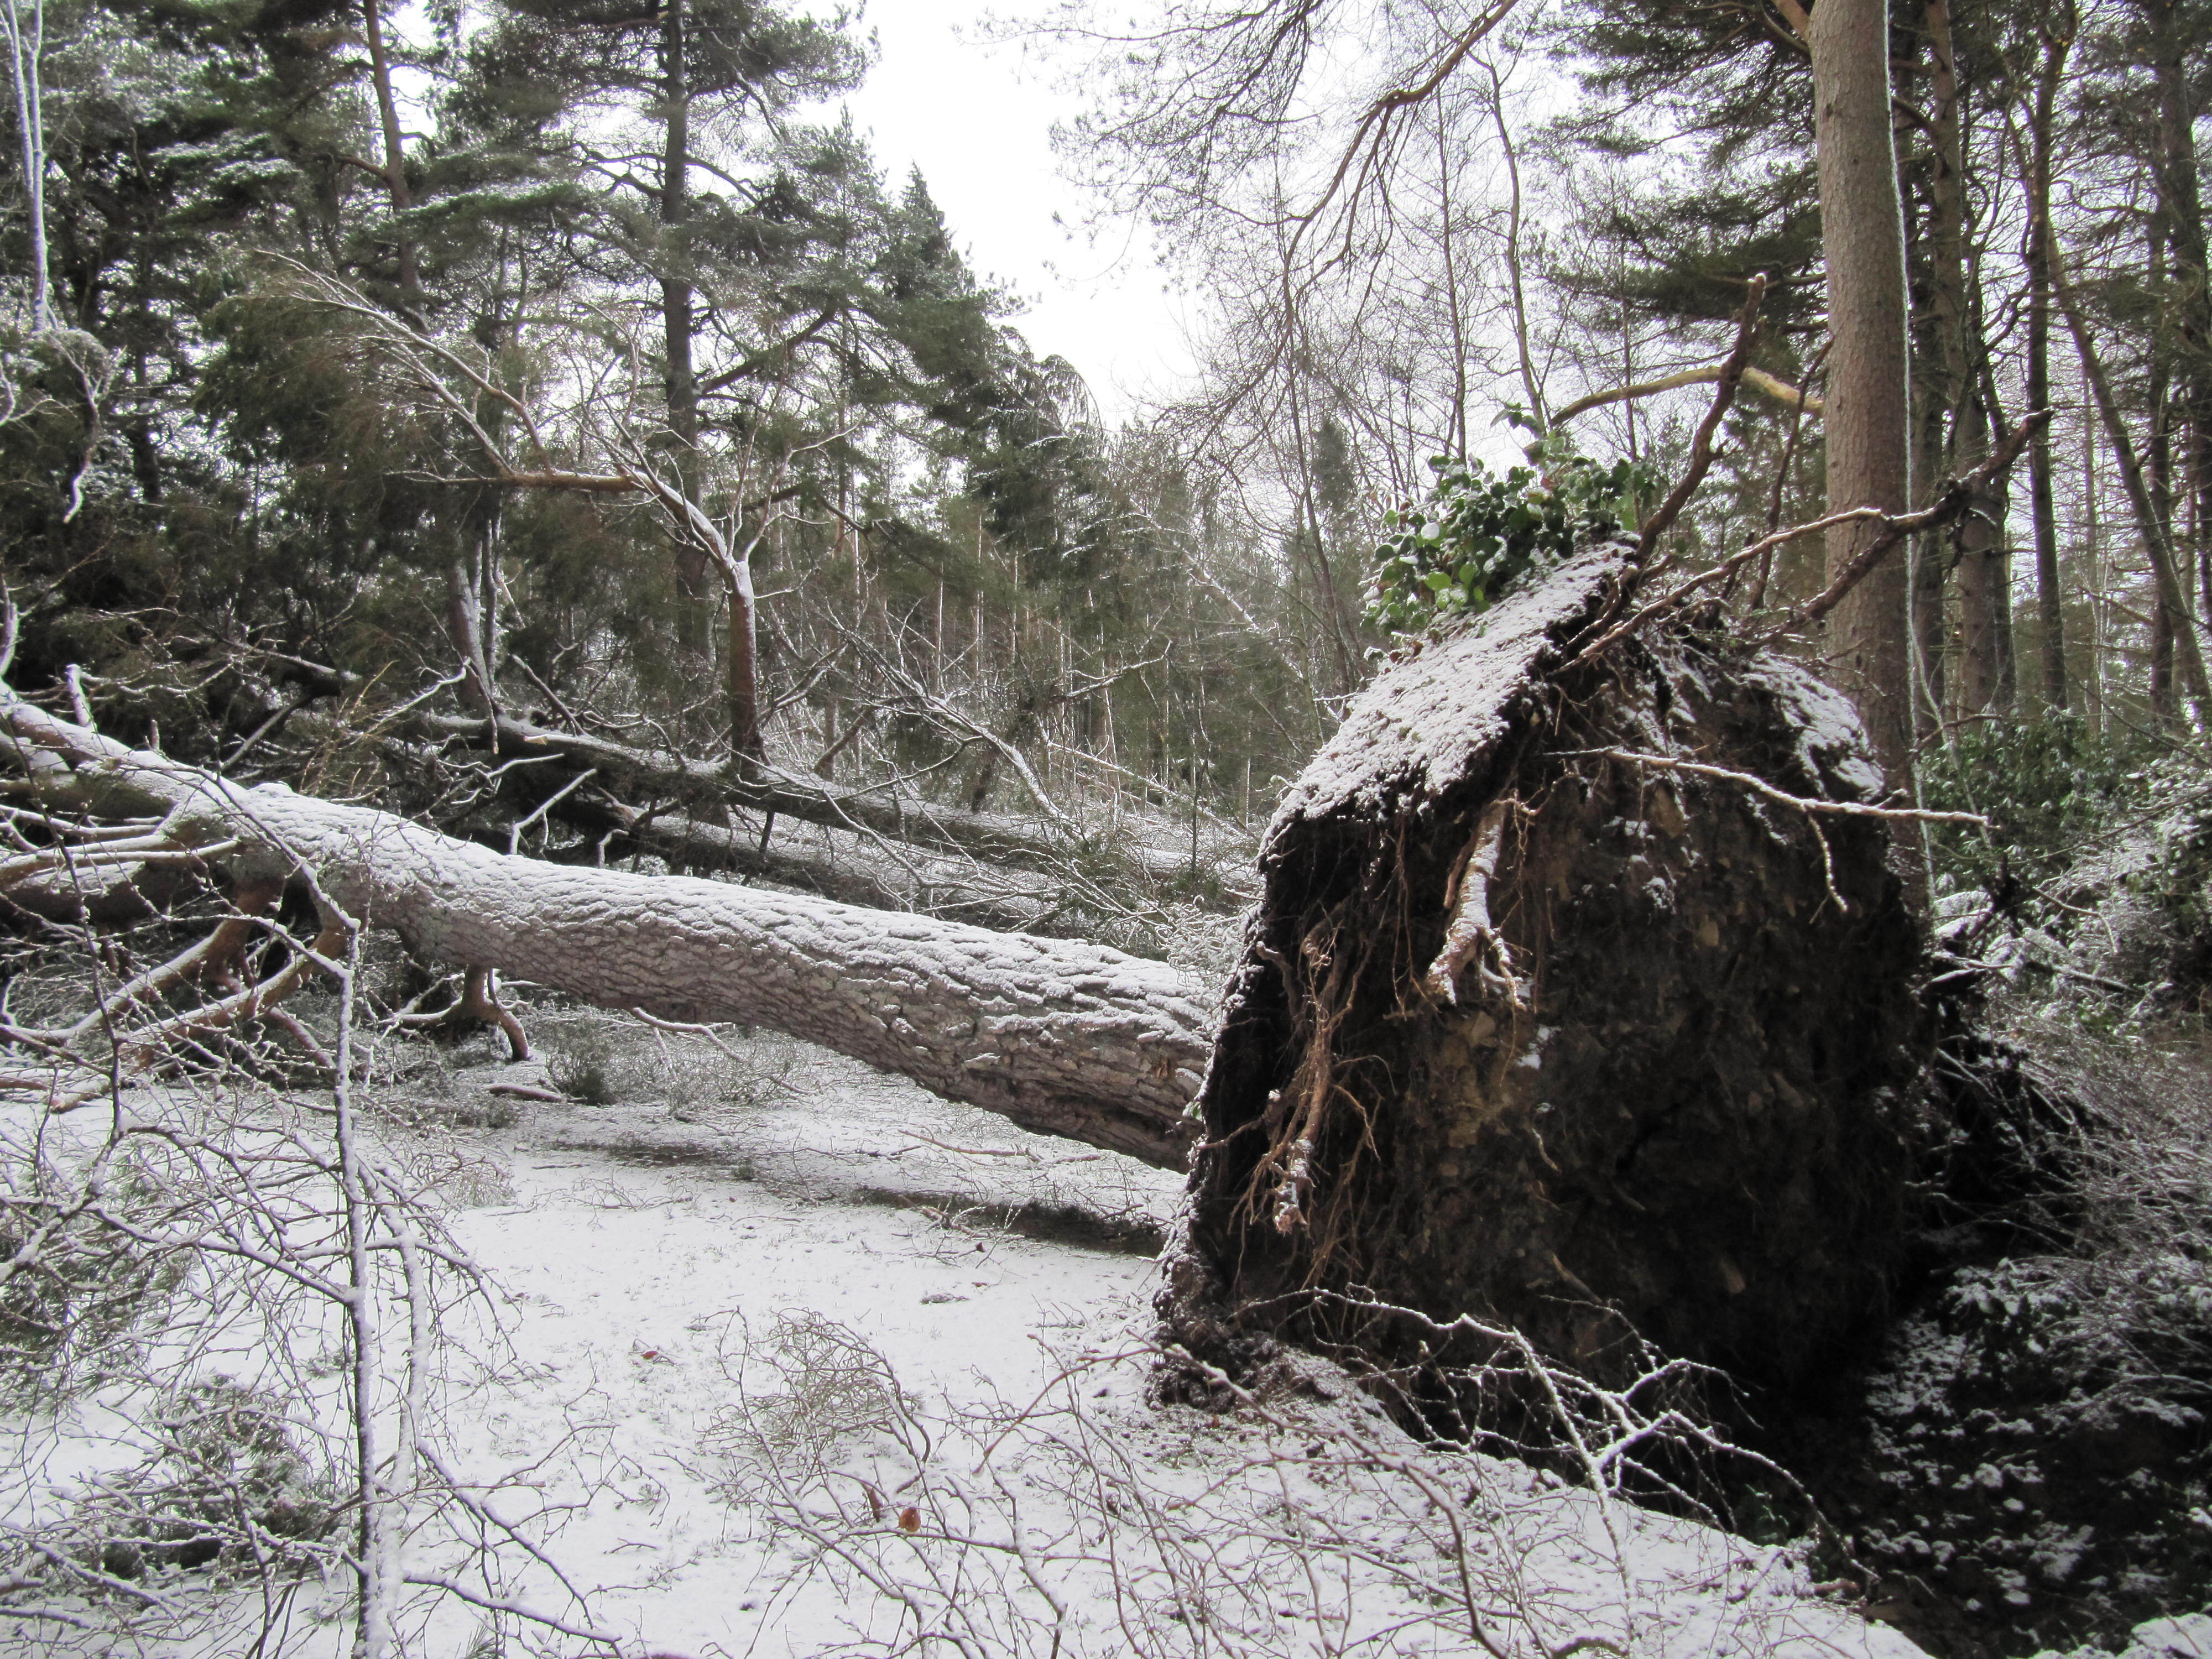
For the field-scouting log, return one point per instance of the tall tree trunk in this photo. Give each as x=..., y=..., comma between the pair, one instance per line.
x=1934, y=307
x=680, y=385
x=1868, y=398
x=395, y=156
x=26, y=55
x=2158, y=483
x=1061, y=1037
x=2148, y=524
x=1984, y=577
x=2042, y=503
x=1980, y=559
x=2181, y=215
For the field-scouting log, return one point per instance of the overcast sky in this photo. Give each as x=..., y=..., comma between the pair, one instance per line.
x=978, y=122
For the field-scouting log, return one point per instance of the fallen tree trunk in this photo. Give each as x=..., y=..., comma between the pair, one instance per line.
x=1061, y=1037
x=1580, y=997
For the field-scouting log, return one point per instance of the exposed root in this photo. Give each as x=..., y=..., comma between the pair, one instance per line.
x=1472, y=935
x=1325, y=979
x=480, y=1000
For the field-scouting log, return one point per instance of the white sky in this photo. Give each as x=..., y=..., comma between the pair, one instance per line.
x=978, y=122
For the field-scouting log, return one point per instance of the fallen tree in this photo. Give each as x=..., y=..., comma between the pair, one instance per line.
x=1580, y=997
x=1061, y=1037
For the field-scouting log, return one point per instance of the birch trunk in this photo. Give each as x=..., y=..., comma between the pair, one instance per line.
x=1062, y=1037
x=27, y=65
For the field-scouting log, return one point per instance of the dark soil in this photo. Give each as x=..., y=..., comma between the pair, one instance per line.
x=1689, y=1118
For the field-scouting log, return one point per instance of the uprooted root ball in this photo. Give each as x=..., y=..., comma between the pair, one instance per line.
x=1532, y=1029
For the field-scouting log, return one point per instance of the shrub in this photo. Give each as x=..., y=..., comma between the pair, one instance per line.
x=2046, y=786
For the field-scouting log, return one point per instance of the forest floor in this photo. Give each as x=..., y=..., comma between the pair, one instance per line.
x=782, y=1356
x=779, y=1355
x=655, y=1263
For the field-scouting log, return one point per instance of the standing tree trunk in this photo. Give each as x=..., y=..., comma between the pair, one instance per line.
x=680, y=385
x=1869, y=397
x=2181, y=216
x=395, y=155
x=2168, y=612
x=2049, y=593
x=1985, y=576
x=2148, y=524
x=26, y=57
x=1961, y=416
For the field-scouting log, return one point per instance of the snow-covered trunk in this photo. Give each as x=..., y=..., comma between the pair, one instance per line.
x=1061, y=1037
x=1539, y=1023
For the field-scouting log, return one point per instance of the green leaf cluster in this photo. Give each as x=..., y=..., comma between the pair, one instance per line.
x=2048, y=788
x=1480, y=534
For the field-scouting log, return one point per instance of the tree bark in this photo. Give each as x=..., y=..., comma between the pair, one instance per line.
x=1060, y=1037
x=1869, y=397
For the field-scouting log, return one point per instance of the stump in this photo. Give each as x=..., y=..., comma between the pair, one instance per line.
x=1565, y=1041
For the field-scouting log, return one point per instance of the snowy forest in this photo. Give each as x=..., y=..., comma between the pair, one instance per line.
x=698, y=959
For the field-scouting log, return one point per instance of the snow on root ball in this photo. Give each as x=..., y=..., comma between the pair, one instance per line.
x=1535, y=1024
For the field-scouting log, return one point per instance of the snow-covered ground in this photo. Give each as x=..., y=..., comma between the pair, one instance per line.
x=819, y=1362
x=853, y=1363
